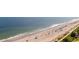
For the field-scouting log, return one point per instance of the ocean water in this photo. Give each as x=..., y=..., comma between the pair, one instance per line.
x=11, y=26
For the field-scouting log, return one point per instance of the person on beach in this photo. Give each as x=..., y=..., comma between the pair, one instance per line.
x=35, y=37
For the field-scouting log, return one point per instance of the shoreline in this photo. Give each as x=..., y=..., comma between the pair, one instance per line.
x=37, y=31
x=30, y=33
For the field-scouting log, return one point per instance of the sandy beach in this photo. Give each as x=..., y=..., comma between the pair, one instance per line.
x=50, y=34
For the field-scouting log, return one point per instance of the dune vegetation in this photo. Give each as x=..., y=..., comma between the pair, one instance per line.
x=72, y=37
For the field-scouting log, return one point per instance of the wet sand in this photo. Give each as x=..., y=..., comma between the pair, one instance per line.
x=51, y=33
